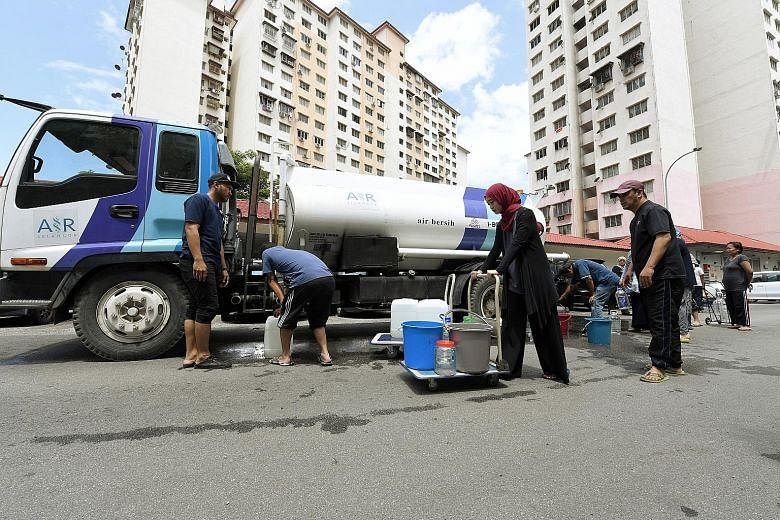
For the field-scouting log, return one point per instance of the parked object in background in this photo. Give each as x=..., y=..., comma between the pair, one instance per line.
x=765, y=286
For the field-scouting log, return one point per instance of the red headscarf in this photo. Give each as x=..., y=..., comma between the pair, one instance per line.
x=509, y=200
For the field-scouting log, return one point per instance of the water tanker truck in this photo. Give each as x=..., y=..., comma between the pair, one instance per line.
x=91, y=216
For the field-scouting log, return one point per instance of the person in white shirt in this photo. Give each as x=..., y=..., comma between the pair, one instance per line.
x=698, y=293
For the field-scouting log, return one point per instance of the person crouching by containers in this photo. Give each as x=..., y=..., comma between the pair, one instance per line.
x=529, y=292
x=598, y=280
x=737, y=275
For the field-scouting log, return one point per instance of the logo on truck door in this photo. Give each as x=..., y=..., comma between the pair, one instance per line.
x=55, y=228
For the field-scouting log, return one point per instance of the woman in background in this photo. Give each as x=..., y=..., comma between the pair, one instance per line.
x=737, y=275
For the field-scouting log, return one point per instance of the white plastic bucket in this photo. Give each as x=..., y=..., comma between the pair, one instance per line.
x=401, y=310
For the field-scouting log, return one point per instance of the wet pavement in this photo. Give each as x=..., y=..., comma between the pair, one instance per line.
x=85, y=438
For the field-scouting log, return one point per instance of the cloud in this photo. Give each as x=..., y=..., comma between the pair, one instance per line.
x=327, y=5
x=109, y=27
x=457, y=48
x=496, y=134
x=72, y=66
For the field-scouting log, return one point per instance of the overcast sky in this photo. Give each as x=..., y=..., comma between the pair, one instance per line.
x=63, y=52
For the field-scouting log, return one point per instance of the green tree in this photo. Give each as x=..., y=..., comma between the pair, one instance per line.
x=244, y=161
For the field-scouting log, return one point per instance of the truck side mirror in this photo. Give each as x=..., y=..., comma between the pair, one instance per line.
x=37, y=164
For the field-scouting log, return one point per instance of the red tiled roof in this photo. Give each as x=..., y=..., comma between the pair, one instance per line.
x=694, y=236
x=263, y=209
x=571, y=240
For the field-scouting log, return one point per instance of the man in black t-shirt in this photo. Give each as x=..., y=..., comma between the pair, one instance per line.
x=661, y=277
x=203, y=267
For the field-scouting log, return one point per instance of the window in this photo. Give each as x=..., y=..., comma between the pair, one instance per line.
x=264, y=138
x=557, y=83
x=284, y=127
x=536, y=40
x=540, y=153
x=554, y=25
x=637, y=108
x=318, y=141
x=560, y=144
x=557, y=62
x=631, y=34
x=536, y=59
x=536, y=78
x=628, y=10
x=559, y=103
x=562, y=186
x=541, y=174
x=553, y=6
x=562, y=208
x=559, y=124
x=268, y=67
x=539, y=114
x=534, y=23
x=606, y=99
x=607, y=122
x=557, y=42
x=539, y=134
x=342, y=111
x=538, y=96
x=341, y=126
x=97, y=159
x=641, y=161
x=342, y=96
x=601, y=54
x=561, y=165
x=564, y=230
x=302, y=135
x=602, y=7
x=635, y=83
x=608, y=147
x=613, y=221
x=600, y=31
x=609, y=171
x=265, y=119
x=648, y=186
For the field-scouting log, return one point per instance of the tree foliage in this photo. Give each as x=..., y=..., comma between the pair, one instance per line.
x=244, y=161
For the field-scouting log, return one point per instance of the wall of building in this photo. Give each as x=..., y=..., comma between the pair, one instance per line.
x=736, y=113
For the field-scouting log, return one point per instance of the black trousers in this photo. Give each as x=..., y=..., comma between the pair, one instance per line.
x=737, y=305
x=638, y=313
x=545, y=330
x=662, y=306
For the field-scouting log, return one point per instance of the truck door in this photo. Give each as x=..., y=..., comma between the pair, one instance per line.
x=182, y=154
x=80, y=191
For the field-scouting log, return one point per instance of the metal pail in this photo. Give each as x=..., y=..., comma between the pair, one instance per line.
x=472, y=346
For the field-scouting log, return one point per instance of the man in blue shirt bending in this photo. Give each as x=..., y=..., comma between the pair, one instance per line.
x=310, y=287
x=597, y=279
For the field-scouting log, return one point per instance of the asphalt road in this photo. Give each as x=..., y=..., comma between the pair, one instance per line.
x=84, y=438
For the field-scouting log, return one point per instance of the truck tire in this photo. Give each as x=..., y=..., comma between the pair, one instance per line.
x=483, y=298
x=132, y=314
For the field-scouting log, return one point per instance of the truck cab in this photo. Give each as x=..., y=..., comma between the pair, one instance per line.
x=91, y=213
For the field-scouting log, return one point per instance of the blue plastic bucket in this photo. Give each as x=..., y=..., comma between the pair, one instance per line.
x=420, y=339
x=599, y=331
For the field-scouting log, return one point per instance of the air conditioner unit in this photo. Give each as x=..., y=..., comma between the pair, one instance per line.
x=598, y=87
x=308, y=44
x=628, y=70
x=561, y=217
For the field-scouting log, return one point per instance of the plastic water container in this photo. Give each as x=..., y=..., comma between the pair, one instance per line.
x=599, y=331
x=445, y=358
x=401, y=310
x=420, y=339
x=431, y=310
x=614, y=316
x=622, y=299
x=272, y=341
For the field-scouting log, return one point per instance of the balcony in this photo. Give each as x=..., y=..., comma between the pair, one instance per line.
x=588, y=159
x=587, y=137
x=592, y=226
x=583, y=96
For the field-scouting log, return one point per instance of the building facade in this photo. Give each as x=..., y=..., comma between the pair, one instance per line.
x=178, y=66
x=336, y=96
x=733, y=50
x=610, y=101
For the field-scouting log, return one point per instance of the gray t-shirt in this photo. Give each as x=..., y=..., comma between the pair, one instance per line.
x=296, y=267
x=734, y=277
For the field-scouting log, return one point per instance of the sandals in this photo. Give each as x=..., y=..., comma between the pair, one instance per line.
x=277, y=361
x=210, y=364
x=186, y=365
x=653, y=377
x=328, y=363
x=744, y=328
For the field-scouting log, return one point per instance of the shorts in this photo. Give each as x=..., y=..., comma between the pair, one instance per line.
x=313, y=297
x=203, y=303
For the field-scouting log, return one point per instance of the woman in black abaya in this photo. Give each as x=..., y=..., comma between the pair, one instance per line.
x=528, y=288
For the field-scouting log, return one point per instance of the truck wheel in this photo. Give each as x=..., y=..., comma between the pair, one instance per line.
x=131, y=315
x=483, y=300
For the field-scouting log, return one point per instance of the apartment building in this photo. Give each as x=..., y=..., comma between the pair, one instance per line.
x=178, y=61
x=336, y=96
x=733, y=51
x=610, y=100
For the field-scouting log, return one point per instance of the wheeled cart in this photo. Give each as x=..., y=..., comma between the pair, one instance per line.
x=496, y=368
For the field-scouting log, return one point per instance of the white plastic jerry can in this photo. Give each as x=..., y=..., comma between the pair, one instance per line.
x=401, y=310
x=272, y=341
x=431, y=310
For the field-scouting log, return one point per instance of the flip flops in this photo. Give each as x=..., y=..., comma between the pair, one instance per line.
x=276, y=361
x=653, y=377
x=328, y=363
x=212, y=364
